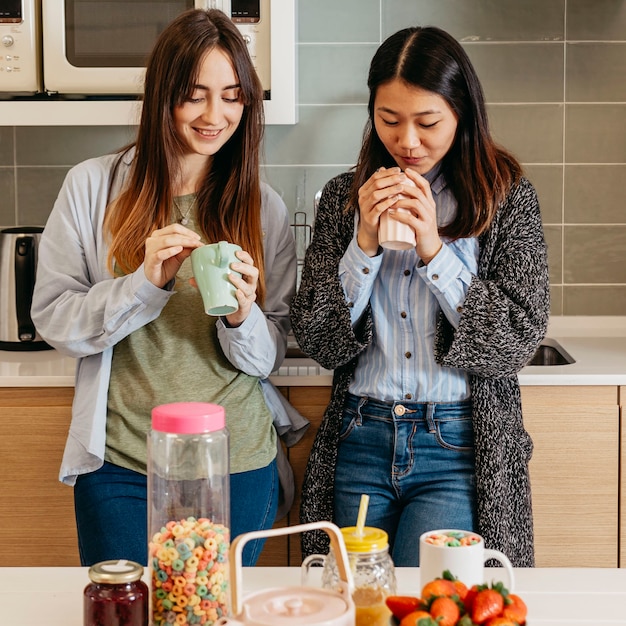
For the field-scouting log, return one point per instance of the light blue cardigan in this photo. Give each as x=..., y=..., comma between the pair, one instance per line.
x=80, y=310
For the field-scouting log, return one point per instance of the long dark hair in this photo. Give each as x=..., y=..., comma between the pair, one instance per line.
x=229, y=199
x=478, y=171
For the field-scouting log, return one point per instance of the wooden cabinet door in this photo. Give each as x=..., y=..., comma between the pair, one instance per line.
x=312, y=403
x=574, y=474
x=37, y=524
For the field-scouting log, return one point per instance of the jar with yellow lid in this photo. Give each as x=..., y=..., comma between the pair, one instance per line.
x=372, y=569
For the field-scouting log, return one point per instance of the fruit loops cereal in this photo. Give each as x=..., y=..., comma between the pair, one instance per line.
x=189, y=572
x=453, y=539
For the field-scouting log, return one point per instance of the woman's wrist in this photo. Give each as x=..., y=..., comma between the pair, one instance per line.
x=427, y=258
x=369, y=246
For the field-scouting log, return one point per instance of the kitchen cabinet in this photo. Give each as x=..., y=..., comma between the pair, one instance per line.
x=311, y=402
x=574, y=470
x=574, y=473
x=37, y=524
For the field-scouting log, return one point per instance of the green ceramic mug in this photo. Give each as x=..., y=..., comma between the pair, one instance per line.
x=211, y=267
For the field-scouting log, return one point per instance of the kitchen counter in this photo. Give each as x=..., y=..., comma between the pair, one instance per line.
x=555, y=597
x=598, y=345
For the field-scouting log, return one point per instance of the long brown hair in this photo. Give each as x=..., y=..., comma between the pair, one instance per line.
x=229, y=199
x=479, y=172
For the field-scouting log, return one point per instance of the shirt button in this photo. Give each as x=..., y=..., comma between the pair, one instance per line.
x=435, y=276
x=350, y=304
x=408, y=355
x=366, y=270
x=459, y=309
x=408, y=396
x=407, y=272
x=403, y=314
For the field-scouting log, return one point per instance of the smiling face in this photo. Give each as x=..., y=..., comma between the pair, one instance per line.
x=211, y=115
x=417, y=127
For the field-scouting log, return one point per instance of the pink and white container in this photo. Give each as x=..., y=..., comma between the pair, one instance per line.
x=188, y=509
x=394, y=235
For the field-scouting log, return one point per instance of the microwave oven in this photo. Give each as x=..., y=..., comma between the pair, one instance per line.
x=20, y=46
x=100, y=47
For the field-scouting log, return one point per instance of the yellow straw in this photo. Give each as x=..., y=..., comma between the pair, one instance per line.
x=360, y=521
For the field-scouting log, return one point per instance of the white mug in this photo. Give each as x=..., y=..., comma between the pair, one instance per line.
x=464, y=562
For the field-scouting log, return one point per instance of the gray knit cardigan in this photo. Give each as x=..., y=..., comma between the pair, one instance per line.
x=505, y=317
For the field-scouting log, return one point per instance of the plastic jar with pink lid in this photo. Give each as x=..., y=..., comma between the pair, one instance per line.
x=188, y=513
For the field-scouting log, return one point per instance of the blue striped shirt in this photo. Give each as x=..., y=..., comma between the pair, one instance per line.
x=399, y=364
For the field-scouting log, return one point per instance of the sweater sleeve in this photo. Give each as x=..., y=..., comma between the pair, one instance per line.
x=76, y=308
x=320, y=314
x=507, y=307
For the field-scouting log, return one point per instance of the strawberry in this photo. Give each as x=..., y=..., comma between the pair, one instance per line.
x=515, y=609
x=418, y=618
x=438, y=587
x=501, y=621
x=468, y=600
x=445, y=611
x=488, y=603
x=402, y=605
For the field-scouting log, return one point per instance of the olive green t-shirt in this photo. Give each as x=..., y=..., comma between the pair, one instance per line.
x=177, y=358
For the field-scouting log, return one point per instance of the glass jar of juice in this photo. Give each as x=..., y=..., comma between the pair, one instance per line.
x=373, y=572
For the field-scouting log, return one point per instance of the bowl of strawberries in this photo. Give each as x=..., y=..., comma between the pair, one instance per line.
x=447, y=601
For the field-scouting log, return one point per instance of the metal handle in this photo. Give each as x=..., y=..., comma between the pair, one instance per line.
x=25, y=268
x=337, y=544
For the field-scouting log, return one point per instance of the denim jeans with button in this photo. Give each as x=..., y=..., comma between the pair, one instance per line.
x=416, y=463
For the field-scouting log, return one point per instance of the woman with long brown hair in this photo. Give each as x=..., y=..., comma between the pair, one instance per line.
x=114, y=286
x=426, y=342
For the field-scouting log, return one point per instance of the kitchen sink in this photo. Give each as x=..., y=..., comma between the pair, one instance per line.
x=551, y=352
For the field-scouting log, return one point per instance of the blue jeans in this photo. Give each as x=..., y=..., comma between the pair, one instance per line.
x=416, y=463
x=111, y=512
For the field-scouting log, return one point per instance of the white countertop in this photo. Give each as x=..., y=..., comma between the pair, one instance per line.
x=555, y=597
x=598, y=344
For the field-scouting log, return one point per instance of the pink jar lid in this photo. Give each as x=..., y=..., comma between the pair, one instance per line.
x=188, y=417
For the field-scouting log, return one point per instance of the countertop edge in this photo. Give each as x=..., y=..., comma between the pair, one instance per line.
x=324, y=380
x=598, y=345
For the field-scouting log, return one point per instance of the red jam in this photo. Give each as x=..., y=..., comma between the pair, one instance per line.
x=116, y=595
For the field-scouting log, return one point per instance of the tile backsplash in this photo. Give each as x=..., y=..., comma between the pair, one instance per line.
x=554, y=74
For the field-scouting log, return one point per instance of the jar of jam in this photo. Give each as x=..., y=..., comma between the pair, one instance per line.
x=116, y=595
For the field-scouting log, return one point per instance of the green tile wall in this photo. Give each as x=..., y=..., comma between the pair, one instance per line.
x=554, y=74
